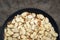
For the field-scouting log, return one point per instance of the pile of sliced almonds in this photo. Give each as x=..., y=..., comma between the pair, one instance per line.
x=29, y=26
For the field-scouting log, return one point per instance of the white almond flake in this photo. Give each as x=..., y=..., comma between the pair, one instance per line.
x=10, y=26
x=30, y=26
x=6, y=34
x=16, y=35
x=22, y=36
x=30, y=16
x=9, y=38
x=46, y=20
x=17, y=19
x=24, y=14
x=33, y=27
x=14, y=38
x=15, y=30
x=16, y=24
x=21, y=19
x=33, y=14
x=40, y=16
x=10, y=32
x=33, y=35
x=13, y=21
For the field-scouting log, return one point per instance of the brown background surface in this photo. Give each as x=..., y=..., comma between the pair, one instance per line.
x=52, y=7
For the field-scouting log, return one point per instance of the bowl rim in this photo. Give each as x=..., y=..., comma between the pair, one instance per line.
x=36, y=10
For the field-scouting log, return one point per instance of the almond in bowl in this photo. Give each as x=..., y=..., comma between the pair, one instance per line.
x=30, y=26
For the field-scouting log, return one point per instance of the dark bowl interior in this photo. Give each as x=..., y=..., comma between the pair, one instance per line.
x=34, y=10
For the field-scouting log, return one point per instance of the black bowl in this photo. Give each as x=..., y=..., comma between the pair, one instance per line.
x=34, y=10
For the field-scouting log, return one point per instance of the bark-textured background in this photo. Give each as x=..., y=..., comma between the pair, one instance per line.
x=52, y=7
